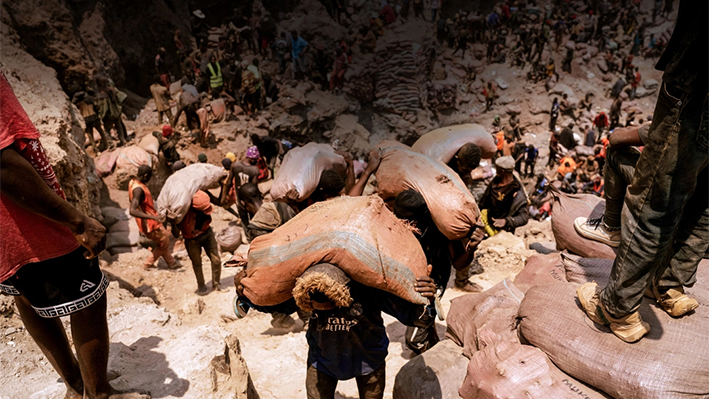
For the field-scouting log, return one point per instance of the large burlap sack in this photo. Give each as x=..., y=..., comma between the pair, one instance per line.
x=218, y=109
x=436, y=373
x=494, y=311
x=106, y=162
x=123, y=225
x=580, y=270
x=583, y=270
x=508, y=369
x=672, y=361
x=452, y=207
x=131, y=157
x=123, y=238
x=442, y=144
x=176, y=194
x=300, y=171
x=539, y=270
x=392, y=143
x=150, y=144
x=112, y=215
x=229, y=239
x=357, y=234
x=567, y=207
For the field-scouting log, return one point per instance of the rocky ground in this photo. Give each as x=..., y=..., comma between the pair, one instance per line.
x=166, y=340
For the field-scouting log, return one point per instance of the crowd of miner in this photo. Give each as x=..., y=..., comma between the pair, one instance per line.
x=224, y=62
x=668, y=177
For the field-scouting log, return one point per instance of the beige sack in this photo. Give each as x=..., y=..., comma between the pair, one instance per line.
x=452, y=206
x=442, y=144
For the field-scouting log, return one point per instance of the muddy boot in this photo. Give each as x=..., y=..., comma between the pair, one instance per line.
x=282, y=320
x=674, y=301
x=629, y=328
x=595, y=229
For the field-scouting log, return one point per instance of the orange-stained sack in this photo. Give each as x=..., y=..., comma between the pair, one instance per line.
x=357, y=234
x=442, y=144
x=452, y=206
x=508, y=369
x=539, y=270
x=299, y=174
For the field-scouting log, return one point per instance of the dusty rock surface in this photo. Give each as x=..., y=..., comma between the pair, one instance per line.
x=49, y=108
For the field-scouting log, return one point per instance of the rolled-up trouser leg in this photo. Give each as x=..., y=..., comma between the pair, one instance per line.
x=665, y=179
x=618, y=174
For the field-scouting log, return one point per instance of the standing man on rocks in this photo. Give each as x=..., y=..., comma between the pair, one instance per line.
x=665, y=216
x=142, y=208
x=161, y=96
x=197, y=232
x=298, y=48
x=216, y=79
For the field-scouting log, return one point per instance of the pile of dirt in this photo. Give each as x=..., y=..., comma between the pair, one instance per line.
x=500, y=256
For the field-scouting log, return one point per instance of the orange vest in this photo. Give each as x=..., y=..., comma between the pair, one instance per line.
x=146, y=205
x=563, y=170
x=500, y=137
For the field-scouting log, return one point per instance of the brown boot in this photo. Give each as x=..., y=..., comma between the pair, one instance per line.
x=675, y=302
x=629, y=328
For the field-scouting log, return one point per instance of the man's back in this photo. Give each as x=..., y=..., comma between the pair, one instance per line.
x=243, y=173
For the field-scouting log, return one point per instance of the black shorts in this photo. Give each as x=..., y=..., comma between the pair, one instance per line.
x=59, y=286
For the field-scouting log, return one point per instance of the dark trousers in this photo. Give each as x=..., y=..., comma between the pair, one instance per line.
x=552, y=157
x=109, y=123
x=322, y=386
x=95, y=123
x=418, y=10
x=167, y=113
x=190, y=111
x=552, y=123
x=419, y=340
x=194, y=247
x=665, y=218
x=529, y=168
x=618, y=174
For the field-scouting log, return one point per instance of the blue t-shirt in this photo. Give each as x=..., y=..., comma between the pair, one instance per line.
x=531, y=155
x=297, y=46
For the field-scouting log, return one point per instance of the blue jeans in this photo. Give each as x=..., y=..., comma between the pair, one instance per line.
x=665, y=217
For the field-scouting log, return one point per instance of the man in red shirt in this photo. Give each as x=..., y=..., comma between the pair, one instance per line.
x=196, y=230
x=142, y=208
x=601, y=122
x=48, y=257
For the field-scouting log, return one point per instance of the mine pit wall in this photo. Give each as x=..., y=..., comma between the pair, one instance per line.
x=38, y=90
